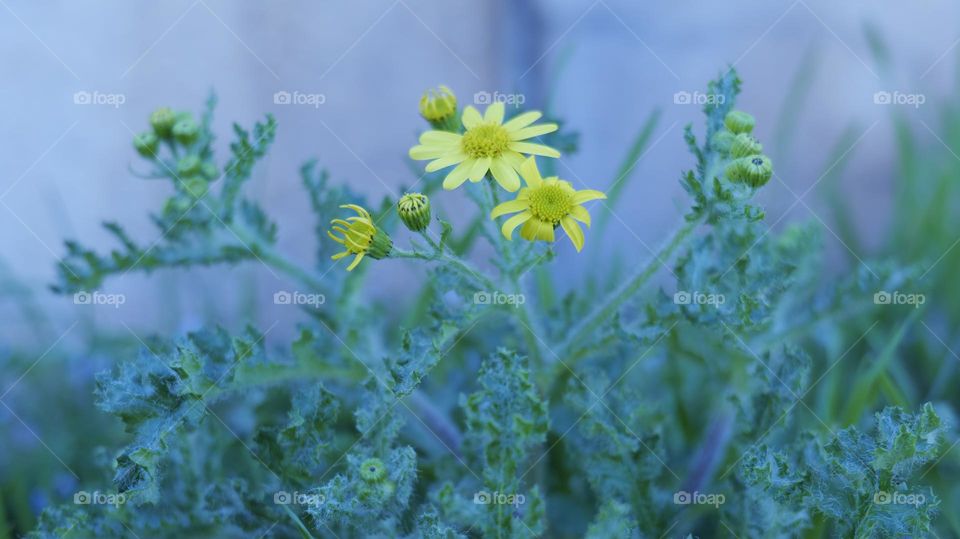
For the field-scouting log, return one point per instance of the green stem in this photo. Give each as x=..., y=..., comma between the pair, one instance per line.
x=296, y=520
x=447, y=257
x=609, y=306
x=274, y=259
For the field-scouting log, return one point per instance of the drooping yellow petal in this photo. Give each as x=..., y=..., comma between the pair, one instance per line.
x=494, y=113
x=522, y=120
x=535, y=229
x=355, y=261
x=530, y=172
x=457, y=176
x=534, y=149
x=587, y=195
x=511, y=206
x=533, y=131
x=471, y=117
x=480, y=169
x=512, y=223
x=338, y=256
x=505, y=175
x=580, y=214
x=573, y=232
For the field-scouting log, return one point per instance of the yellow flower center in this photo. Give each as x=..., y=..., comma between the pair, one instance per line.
x=550, y=203
x=488, y=140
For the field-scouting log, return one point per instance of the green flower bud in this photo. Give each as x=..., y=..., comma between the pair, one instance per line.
x=414, y=210
x=739, y=122
x=373, y=470
x=188, y=166
x=759, y=170
x=745, y=145
x=146, y=144
x=439, y=107
x=754, y=171
x=195, y=186
x=722, y=141
x=186, y=131
x=162, y=121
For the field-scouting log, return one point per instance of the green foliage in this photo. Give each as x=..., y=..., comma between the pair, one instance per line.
x=701, y=408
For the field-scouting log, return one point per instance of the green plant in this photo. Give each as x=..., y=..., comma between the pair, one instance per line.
x=614, y=411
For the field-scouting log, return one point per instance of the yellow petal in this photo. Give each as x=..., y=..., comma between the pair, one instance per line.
x=511, y=206
x=445, y=161
x=355, y=261
x=587, y=195
x=338, y=256
x=514, y=159
x=494, y=113
x=530, y=172
x=533, y=131
x=471, y=117
x=421, y=153
x=480, y=169
x=522, y=120
x=534, y=149
x=457, y=176
x=512, y=223
x=580, y=214
x=505, y=175
x=535, y=229
x=573, y=232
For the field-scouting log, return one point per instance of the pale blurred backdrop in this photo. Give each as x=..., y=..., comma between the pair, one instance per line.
x=605, y=64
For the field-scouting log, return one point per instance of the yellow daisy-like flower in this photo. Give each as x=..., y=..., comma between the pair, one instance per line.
x=488, y=144
x=360, y=236
x=544, y=204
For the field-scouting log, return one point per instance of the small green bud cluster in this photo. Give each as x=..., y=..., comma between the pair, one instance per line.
x=748, y=165
x=180, y=132
x=166, y=126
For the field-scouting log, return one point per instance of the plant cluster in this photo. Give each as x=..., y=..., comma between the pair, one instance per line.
x=501, y=408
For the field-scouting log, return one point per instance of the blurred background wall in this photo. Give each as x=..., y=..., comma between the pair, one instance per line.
x=605, y=65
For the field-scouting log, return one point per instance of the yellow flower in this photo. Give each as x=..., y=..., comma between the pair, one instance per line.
x=487, y=145
x=360, y=236
x=545, y=204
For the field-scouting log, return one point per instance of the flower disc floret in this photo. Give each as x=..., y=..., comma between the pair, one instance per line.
x=490, y=140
